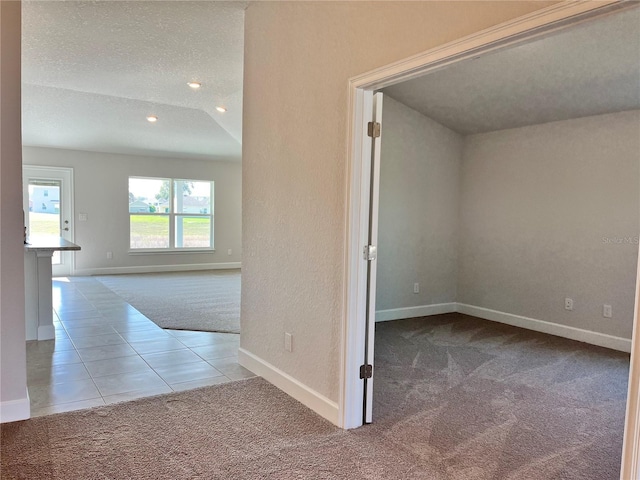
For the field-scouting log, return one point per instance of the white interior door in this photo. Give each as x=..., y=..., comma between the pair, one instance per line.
x=374, y=131
x=48, y=209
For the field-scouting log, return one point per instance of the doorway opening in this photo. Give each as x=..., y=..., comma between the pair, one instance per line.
x=48, y=209
x=361, y=310
x=150, y=305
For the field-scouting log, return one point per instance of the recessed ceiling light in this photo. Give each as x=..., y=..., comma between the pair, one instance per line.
x=194, y=85
x=221, y=109
x=152, y=118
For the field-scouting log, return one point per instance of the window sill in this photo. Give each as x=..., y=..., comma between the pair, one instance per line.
x=166, y=251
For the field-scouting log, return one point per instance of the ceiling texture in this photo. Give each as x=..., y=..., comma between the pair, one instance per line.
x=93, y=71
x=590, y=69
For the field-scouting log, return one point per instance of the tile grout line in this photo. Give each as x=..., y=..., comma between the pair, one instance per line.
x=99, y=310
x=127, y=342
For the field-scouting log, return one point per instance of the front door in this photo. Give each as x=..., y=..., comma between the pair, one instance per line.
x=48, y=209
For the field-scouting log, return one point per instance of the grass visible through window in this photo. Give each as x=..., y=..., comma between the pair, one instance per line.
x=152, y=231
x=44, y=224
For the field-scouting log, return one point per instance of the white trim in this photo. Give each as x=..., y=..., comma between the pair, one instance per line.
x=158, y=268
x=46, y=332
x=557, y=329
x=308, y=397
x=14, y=410
x=630, y=467
x=565, y=331
x=526, y=27
x=414, y=312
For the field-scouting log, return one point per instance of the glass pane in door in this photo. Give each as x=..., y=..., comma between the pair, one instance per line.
x=44, y=210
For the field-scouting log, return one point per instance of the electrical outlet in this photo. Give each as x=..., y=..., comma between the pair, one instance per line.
x=229, y=252
x=288, y=342
x=416, y=288
x=83, y=217
x=606, y=311
x=109, y=255
x=568, y=304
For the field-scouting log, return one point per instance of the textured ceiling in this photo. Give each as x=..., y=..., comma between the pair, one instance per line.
x=590, y=69
x=93, y=71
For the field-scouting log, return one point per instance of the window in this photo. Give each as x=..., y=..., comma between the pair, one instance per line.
x=170, y=214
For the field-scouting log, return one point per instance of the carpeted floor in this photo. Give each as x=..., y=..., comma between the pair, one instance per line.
x=206, y=300
x=489, y=401
x=455, y=398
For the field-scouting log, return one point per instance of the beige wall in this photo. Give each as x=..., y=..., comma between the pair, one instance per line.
x=418, y=219
x=531, y=216
x=298, y=59
x=547, y=212
x=101, y=191
x=13, y=380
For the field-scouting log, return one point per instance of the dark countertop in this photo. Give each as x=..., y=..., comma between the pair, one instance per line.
x=39, y=243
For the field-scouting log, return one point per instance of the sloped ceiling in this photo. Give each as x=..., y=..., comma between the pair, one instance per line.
x=93, y=71
x=590, y=69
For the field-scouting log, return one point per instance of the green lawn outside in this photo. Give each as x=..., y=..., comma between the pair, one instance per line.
x=152, y=231
x=147, y=231
x=44, y=224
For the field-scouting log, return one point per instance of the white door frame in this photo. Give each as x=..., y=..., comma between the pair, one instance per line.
x=631, y=443
x=526, y=28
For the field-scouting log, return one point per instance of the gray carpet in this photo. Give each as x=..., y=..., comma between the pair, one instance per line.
x=489, y=401
x=455, y=398
x=206, y=300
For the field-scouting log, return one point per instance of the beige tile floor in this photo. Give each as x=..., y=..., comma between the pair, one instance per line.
x=105, y=351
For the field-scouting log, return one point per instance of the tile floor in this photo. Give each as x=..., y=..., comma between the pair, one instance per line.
x=106, y=351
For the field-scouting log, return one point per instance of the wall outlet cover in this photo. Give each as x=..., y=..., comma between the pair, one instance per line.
x=568, y=304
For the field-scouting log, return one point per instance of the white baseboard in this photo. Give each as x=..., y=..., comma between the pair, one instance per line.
x=310, y=398
x=14, y=410
x=413, y=312
x=573, y=333
x=157, y=268
x=46, y=332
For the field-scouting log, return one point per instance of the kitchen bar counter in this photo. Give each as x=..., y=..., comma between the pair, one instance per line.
x=52, y=244
x=38, y=285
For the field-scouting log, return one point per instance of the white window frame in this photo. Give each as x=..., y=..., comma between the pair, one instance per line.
x=172, y=215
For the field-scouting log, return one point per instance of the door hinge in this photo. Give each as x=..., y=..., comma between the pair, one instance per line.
x=370, y=252
x=373, y=129
x=366, y=371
